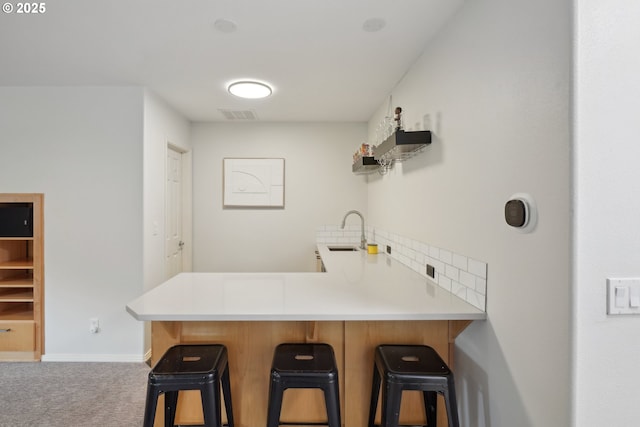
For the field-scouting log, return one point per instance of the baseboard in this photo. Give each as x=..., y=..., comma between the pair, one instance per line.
x=130, y=358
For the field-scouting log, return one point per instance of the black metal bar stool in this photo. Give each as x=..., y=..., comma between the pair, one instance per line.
x=411, y=367
x=304, y=366
x=201, y=367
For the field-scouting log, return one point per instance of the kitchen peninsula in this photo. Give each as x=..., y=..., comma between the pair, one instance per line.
x=362, y=300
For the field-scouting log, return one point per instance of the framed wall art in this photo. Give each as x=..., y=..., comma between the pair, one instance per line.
x=253, y=183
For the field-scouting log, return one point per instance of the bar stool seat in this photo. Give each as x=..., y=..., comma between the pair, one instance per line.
x=302, y=365
x=202, y=367
x=411, y=367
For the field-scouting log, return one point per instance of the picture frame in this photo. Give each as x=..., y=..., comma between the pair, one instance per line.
x=253, y=182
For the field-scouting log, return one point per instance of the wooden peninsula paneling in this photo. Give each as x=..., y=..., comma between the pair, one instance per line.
x=251, y=344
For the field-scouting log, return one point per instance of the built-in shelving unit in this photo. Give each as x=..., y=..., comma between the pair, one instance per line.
x=21, y=277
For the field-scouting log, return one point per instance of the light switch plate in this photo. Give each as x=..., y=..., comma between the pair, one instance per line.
x=623, y=296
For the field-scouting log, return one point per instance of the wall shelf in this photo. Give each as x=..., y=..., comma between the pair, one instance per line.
x=399, y=146
x=402, y=145
x=365, y=165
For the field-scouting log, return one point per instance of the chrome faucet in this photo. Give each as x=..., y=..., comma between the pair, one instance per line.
x=363, y=241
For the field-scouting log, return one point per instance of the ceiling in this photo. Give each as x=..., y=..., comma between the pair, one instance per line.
x=322, y=63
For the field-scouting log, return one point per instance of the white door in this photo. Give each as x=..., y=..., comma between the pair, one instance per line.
x=173, y=226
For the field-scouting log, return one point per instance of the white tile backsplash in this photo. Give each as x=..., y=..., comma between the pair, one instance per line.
x=457, y=273
x=434, y=252
x=478, y=268
x=451, y=272
x=460, y=261
x=476, y=299
x=459, y=290
x=468, y=279
x=481, y=286
x=446, y=256
x=444, y=282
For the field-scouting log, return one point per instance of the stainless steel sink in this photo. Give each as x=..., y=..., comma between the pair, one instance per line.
x=343, y=248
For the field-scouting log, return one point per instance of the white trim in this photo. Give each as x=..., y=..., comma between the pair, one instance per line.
x=187, y=214
x=66, y=357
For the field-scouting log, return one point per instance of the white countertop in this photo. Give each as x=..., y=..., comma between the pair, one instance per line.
x=356, y=286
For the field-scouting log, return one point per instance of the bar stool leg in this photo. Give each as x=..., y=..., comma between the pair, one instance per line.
x=170, y=406
x=391, y=397
x=332, y=403
x=275, y=404
x=375, y=391
x=150, y=406
x=451, y=403
x=430, y=408
x=210, y=396
x=226, y=391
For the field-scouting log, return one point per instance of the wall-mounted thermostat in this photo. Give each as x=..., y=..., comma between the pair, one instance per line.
x=516, y=212
x=520, y=212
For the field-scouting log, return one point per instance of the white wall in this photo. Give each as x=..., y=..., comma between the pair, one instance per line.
x=163, y=126
x=319, y=189
x=82, y=148
x=607, y=237
x=495, y=85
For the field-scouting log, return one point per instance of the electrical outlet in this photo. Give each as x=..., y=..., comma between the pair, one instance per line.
x=94, y=325
x=389, y=249
x=431, y=271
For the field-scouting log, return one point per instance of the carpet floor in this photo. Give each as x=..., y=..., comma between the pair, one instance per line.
x=72, y=394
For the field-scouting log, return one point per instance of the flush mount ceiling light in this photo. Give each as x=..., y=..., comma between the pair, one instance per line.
x=249, y=89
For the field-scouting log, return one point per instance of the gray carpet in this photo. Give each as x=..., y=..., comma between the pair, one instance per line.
x=72, y=394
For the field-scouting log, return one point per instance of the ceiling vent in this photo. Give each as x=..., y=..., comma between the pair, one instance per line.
x=239, y=114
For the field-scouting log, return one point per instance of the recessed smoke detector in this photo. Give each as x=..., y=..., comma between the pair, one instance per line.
x=225, y=26
x=373, y=25
x=250, y=89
